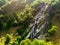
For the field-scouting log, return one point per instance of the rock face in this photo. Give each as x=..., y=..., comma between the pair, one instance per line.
x=40, y=25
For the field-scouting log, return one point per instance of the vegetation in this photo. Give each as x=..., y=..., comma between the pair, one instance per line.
x=20, y=19
x=25, y=14
x=35, y=42
x=7, y=39
x=52, y=30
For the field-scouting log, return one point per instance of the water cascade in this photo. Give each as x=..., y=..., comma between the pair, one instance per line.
x=40, y=26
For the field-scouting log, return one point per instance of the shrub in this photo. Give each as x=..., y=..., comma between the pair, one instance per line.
x=18, y=39
x=35, y=42
x=25, y=42
x=52, y=30
x=39, y=42
x=7, y=39
x=27, y=13
x=15, y=43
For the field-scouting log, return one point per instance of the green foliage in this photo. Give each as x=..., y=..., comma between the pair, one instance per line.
x=18, y=39
x=36, y=2
x=6, y=21
x=15, y=43
x=4, y=25
x=38, y=42
x=26, y=14
x=15, y=23
x=35, y=42
x=52, y=30
x=25, y=17
x=25, y=42
x=7, y=39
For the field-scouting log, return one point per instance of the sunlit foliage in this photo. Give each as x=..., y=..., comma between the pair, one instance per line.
x=35, y=42
x=52, y=30
x=25, y=14
x=7, y=39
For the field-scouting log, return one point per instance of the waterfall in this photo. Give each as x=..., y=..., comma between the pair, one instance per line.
x=40, y=26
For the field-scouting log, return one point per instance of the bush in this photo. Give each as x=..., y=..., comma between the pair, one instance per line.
x=7, y=39
x=39, y=42
x=18, y=39
x=52, y=30
x=35, y=42
x=25, y=42
x=25, y=14
x=15, y=43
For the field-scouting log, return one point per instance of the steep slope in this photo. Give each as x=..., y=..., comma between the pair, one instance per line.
x=56, y=22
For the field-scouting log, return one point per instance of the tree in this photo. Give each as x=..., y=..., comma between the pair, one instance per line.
x=25, y=14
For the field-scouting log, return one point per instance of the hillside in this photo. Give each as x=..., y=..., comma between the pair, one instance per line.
x=29, y=22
